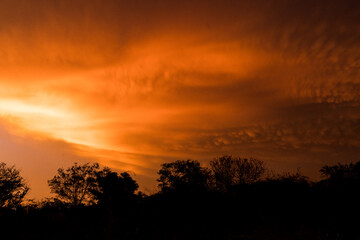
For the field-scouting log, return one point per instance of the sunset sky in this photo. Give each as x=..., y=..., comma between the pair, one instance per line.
x=133, y=84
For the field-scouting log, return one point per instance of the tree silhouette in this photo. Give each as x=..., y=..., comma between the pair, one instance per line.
x=12, y=186
x=289, y=178
x=251, y=206
x=115, y=189
x=183, y=175
x=76, y=185
x=230, y=171
x=341, y=171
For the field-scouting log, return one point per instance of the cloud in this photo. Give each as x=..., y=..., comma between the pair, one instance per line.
x=152, y=81
x=37, y=157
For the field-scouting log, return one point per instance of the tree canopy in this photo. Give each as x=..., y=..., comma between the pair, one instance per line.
x=341, y=171
x=12, y=186
x=230, y=171
x=114, y=189
x=87, y=184
x=183, y=175
x=231, y=199
x=76, y=184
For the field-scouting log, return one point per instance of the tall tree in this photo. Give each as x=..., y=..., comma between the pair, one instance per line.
x=115, y=190
x=12, y=186
x=76, y=184
x=230, y=171
x=183, y=175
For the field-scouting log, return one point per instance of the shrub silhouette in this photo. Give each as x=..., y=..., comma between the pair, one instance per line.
x=12, y=186
x=341, y=172
x=288, y=178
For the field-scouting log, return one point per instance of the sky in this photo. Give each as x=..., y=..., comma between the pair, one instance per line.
x=134, y=84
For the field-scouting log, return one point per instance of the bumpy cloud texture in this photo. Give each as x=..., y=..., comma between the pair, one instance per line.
x=132, y=84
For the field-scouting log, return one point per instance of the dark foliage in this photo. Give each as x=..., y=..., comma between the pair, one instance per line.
x=75, y=185
x=115, y=191
x=183, y=176
x=12, y=187
x=341, y=173
x=232, y=171
x=191, y=205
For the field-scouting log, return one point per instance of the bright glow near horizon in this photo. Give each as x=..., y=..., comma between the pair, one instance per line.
x=132, y=84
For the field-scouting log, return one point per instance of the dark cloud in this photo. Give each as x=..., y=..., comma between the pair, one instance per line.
x=152, y=81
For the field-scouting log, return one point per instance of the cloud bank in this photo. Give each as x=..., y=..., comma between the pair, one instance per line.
x=154, y=81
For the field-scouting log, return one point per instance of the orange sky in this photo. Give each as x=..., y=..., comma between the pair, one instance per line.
x=132, y=84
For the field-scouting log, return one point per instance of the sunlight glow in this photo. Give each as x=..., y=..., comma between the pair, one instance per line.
x=18, y=107
x=51, y=121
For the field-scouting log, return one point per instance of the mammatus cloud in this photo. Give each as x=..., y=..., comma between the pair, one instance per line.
x=153, y=81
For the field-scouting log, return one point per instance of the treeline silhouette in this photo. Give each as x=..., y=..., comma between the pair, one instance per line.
x=235, y=198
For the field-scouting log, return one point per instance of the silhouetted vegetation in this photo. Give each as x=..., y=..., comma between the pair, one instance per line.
x=75, y=185
x=235, y=198
x=232, y=171
x=183, y=175
x=12, y=187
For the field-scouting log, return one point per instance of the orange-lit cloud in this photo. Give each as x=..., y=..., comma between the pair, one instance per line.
x=134, y=84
